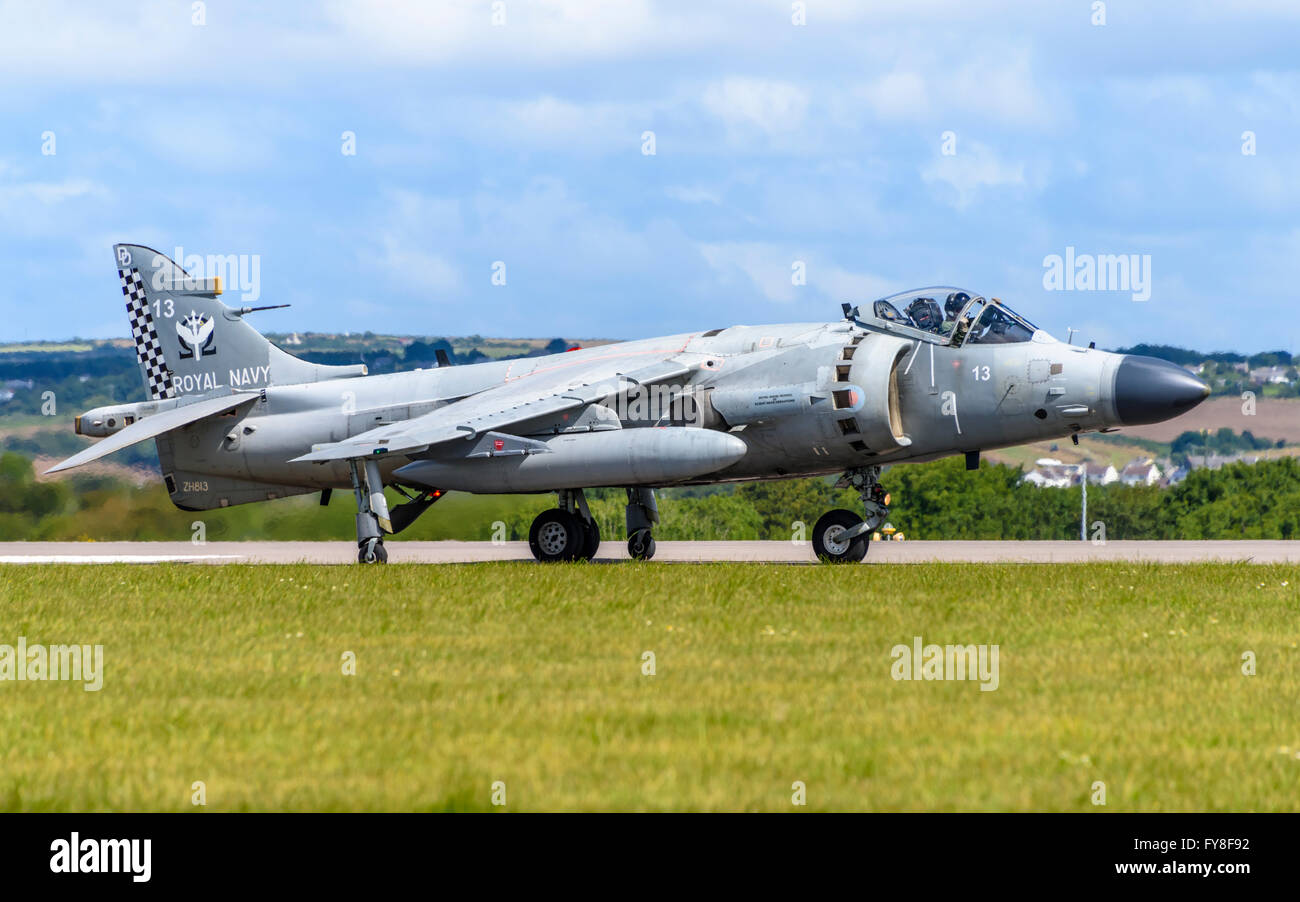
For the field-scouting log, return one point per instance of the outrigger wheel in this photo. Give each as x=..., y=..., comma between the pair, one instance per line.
x=641, y=545
x=642, y=515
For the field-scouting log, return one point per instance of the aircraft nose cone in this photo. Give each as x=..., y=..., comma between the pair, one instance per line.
x=1150, y=390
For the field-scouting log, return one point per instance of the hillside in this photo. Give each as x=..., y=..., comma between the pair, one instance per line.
x=1277, y=418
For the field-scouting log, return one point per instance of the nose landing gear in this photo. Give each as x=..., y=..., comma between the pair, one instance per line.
x=841, y=536
x=372, y=512
x=372, y=551
x=832, y=541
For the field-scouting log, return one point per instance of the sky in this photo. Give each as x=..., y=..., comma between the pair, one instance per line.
x=580, y=168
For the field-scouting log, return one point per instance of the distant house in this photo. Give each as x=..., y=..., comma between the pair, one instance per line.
x=1270, y=375
x=1050, y=477
x=1175, y=476
x=1140, y=471
x=1052, y=474
x=1102, y=474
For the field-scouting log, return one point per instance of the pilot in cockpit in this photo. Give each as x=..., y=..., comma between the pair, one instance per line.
x=925, y=315
x=952, y=308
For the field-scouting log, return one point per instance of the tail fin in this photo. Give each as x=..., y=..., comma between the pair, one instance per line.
x=189, y=343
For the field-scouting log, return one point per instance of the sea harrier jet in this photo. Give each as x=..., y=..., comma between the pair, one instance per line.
x=912, y=377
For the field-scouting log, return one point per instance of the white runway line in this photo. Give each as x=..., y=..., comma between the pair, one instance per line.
x=116, y=559
x=343, y=552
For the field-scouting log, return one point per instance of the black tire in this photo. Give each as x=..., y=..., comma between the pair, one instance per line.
x=557, y=535
x=825, y=538
x=378, y=556
x=641, y=545
x=591, y=535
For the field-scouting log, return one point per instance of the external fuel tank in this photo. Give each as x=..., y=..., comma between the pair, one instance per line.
x=621, y=457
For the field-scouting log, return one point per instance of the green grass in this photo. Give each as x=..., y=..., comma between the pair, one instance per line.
x=531, y=675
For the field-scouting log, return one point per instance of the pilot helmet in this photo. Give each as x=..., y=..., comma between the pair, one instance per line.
x=956, y=301
x=925, y=313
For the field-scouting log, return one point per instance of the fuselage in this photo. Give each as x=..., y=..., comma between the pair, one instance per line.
x=806, y=399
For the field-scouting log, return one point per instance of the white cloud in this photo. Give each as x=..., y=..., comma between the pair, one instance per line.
x=1002, y=87
x=213, y=142
x=413, y=224
x=418, y=268
x=1188, y=91
x=155, y=40
x=694, y=195
x=973, y=168
x=938, y=84
x=845, y=285
x=54, y=40
x=898, y=95
x=770, y=106
x=417, y=32
x=49, y=192
x=552, y=123
x=34, y=206
x=768, y=268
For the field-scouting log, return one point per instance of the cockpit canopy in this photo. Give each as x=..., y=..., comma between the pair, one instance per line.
x=954, y=315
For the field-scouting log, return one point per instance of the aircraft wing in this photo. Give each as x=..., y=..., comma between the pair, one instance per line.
x=528, y=398
x=153, y=426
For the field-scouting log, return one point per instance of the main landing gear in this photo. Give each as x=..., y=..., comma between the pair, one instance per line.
x=570, y=533
x=841, y=536
x=565, y=533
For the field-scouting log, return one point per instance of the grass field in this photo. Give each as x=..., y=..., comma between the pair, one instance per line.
x=765, y=675
x=1275, y=418
x=46, y=347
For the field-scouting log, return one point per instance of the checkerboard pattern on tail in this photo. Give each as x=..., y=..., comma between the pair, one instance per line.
x=147, y=347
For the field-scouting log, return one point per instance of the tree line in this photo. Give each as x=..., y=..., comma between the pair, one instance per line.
x=938, y=500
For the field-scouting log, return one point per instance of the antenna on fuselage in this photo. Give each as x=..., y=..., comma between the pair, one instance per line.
x=245, y=310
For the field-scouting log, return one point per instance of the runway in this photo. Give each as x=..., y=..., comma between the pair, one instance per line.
x=911, y=552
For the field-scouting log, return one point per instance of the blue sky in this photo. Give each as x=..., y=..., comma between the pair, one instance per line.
x=774, y=143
